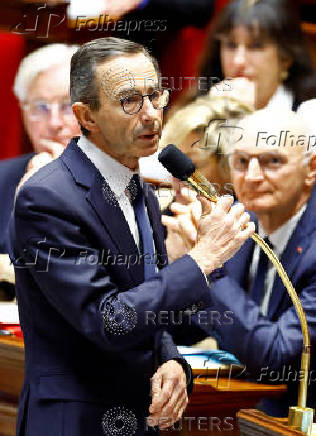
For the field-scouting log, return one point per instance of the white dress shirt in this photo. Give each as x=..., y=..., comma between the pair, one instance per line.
x=283, y=98
x=117, y=177
x=279, y=239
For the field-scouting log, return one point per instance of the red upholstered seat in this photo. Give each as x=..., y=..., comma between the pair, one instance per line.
x=12, y=51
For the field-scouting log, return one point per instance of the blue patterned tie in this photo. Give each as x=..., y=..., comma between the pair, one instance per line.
x=258, y=283
x=144, y=227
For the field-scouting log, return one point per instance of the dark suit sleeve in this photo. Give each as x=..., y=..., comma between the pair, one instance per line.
x=11, y=172
x=168, y=351
x=257, y=341
x=48, y=241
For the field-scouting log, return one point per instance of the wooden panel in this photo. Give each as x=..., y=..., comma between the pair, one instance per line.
x=214, y=404
x=8, y=413
x=212, y=408
x=255, y=423
x=11, y=367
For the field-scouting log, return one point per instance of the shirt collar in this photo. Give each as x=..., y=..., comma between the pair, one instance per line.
x=280, y=237
x=115, y=174
x=281, y=98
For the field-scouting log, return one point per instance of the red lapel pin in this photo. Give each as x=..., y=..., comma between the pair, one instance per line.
x=299, y=249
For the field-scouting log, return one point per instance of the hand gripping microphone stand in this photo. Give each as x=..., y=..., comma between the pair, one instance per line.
x=181, y=167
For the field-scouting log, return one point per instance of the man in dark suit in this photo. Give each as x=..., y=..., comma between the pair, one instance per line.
x=42, y=89
x=91, y=274
x=273, y=170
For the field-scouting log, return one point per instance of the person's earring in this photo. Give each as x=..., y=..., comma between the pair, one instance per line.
x=284, y=75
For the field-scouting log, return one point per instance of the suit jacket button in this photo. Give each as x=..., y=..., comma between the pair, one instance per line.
x=194, y=308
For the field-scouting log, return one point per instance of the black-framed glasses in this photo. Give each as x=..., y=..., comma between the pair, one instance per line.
x=132, y=104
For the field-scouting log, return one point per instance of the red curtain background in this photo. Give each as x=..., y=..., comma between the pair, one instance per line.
x=180, y=58
x=12, y=51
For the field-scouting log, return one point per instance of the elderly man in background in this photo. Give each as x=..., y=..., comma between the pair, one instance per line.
x=42, y=89
x=273, y=171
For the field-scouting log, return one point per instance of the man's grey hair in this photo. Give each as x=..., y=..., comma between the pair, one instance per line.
x=83, y=85
x=38, y=61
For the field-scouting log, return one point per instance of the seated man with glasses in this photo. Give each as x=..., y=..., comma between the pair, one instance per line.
x=42, y=89
x=277, y=185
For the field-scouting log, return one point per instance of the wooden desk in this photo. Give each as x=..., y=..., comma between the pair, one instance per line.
x=212, y=408
x=11, y=381
x=214, y=403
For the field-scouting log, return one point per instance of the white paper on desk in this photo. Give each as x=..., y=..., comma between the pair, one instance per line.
x=201, y=362
x=208, y=359
x=9, y=313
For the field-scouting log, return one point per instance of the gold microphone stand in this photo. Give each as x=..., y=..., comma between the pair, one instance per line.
x=300, y=417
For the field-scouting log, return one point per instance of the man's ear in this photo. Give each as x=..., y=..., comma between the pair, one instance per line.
x=85, y=116
x=311, y=174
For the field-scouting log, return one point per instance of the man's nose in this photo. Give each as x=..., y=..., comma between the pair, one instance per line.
x=55, y=117
x=148, y=112
x=254, y=172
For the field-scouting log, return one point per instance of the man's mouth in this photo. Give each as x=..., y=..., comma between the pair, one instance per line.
x=149, y=136
x=255, y=194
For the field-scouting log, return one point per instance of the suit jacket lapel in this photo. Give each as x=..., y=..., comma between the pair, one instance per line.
x=298, y=243
x=103, y=201
x=238, y=266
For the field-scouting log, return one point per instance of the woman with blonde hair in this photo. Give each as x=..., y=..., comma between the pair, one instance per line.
x=203, y=130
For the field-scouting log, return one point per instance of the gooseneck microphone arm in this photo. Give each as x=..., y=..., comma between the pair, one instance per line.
x=181, y=167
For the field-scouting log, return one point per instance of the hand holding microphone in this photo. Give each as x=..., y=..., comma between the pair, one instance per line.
x=223, y=228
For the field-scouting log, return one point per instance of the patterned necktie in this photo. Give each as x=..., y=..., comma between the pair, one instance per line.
x=144, y=227
x=258, y=284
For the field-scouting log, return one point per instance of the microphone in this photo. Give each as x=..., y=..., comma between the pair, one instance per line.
x=181, y=167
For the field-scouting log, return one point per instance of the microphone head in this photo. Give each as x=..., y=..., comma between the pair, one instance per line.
x=176, y=162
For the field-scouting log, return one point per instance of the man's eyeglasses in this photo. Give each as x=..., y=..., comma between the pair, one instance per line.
x=39, y=110
x=132, y=104
x=239, y=161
